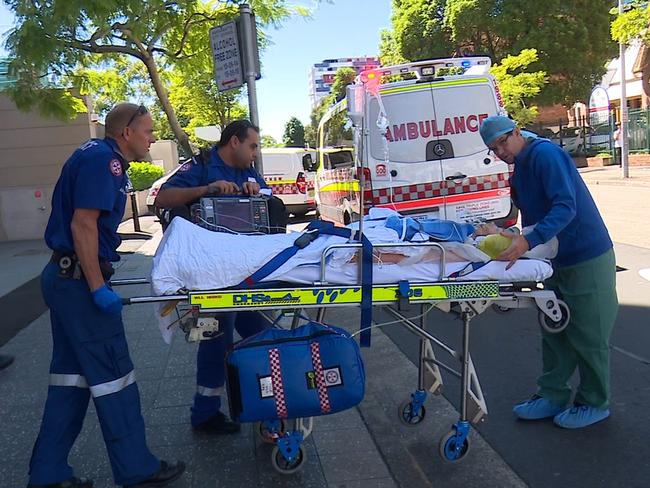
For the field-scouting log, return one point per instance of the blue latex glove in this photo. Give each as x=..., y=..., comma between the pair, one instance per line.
x=107, y=300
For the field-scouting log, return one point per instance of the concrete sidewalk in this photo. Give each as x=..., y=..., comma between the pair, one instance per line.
x=362, y=447
x=611, y=175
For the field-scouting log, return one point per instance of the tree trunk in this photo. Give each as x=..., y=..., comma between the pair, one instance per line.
x=181, y=136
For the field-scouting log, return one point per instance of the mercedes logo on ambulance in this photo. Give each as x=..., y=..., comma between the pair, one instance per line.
x=439, y=149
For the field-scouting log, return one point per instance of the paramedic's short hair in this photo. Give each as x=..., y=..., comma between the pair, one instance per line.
x=237, y=128
x=120, y=116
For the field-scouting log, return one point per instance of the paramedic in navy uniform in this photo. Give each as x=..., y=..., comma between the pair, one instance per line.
x=90, y=354
x=229, y=171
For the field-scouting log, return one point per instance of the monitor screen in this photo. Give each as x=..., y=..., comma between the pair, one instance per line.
x=234, y=215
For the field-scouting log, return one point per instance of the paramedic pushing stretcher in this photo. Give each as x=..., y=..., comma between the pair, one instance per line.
x=551, y=195
x=90, y=354
x=228, y=171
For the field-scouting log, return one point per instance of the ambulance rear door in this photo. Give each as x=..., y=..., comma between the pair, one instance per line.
x=476, y=183
x=406, y=180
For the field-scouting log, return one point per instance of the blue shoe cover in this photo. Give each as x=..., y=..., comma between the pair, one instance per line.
x=579, y=416
x=537, y=408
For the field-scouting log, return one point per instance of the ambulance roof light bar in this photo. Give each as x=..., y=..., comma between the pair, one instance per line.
x=429, y=67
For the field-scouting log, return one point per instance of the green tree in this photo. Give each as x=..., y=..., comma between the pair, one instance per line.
x=520, y=86
x=53, y=39
x=633, y=23
x=269, y=141
x=294, y=133
x=571, y=36
x=342, y=79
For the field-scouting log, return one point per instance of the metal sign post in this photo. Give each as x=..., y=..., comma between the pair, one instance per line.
x=251, y=65
x=625, y=172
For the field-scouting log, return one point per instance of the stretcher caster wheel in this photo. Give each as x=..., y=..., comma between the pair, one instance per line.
x=447, y=448
x=551, y=326
x=284, y=466
x=269, y=432
x=500, y=308
x=408, y=417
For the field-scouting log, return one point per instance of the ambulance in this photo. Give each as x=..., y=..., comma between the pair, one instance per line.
x=290, y=173
x=414, y=142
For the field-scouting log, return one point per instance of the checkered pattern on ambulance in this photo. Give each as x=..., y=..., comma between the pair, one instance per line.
x=382, y=196
x=280, y=186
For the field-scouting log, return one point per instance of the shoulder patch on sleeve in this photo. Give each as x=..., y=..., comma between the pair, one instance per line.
x=116, y=167
x=185, y=167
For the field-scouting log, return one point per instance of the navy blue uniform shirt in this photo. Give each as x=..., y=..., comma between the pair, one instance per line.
x=552, y=195
x=94, y=177
x=194, y=173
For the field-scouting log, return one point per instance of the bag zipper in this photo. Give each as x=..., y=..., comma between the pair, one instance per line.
x=286, y=339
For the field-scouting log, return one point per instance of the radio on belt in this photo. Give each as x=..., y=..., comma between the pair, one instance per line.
x=232, y=213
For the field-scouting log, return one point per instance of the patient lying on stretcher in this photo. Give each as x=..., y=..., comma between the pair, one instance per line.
x=486, y=242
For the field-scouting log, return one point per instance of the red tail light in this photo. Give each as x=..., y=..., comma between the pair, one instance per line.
x=510, y=223
x=301, y=183
x=367, y=191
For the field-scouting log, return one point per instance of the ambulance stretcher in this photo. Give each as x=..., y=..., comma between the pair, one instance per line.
x=464, y=297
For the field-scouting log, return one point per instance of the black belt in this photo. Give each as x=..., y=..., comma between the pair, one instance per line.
x=69, y=266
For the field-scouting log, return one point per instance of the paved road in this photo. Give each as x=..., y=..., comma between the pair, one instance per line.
x=626, y=210
x=506, y=352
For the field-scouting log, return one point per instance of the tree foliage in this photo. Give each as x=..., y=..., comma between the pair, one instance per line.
x=342, y=79
x=294, y=133
x=53, y=39
x=269, y=141
x=142, y=174
x=633, y=23
x=571, y=37
x=518, y=86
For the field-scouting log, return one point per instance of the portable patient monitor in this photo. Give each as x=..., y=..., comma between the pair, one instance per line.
x=234, y=214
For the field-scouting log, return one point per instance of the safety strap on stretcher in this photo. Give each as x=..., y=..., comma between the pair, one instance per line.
x=313, y=230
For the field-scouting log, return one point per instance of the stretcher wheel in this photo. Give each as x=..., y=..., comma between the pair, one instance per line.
x=267, y=436
x=500, y=308
x=551, y=326
x=447, y=448
x=282, y=466
x=406, y=415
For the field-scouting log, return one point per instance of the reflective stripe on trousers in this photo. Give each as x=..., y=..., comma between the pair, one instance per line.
x=102, y=389
x=209, y=392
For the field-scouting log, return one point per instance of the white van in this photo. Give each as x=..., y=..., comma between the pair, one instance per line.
x=289, y=171
x=419, y=144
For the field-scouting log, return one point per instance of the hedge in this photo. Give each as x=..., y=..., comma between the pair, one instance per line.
x=143, y=174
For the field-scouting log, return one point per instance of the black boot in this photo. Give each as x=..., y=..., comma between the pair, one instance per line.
x=71, y=483
x=218, y=424
x=5, y=361
x=165, y=475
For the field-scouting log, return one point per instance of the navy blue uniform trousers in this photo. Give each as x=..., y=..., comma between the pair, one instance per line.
x=90, y=358
x=210, y=361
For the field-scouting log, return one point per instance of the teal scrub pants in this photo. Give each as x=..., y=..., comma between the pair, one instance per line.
x=589, y=289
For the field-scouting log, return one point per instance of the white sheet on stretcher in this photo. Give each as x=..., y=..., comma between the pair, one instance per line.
x=193, y=258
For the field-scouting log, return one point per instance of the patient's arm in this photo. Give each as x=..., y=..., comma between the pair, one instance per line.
x=486, y=229
x=431, y=255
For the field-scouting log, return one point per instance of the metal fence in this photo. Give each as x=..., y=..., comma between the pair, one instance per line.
x=586, y=140
x=580, y=139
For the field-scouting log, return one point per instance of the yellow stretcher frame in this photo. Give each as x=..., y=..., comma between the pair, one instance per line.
x=332, y=296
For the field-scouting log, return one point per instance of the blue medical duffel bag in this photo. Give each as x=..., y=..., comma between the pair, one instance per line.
x=309, y=371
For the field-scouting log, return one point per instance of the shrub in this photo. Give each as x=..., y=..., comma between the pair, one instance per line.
x=143, y=174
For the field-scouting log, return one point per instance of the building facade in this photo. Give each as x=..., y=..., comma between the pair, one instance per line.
x=321, y=75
